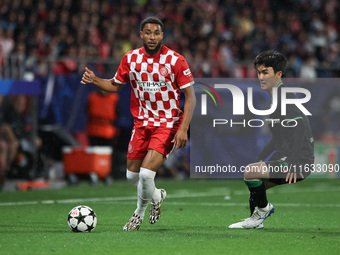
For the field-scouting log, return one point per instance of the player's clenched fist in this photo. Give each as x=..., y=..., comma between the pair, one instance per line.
x=88, y=76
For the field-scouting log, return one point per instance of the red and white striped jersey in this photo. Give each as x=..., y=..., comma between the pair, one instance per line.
x=156, y=83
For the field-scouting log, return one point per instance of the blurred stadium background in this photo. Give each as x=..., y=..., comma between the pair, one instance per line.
x=45, y=45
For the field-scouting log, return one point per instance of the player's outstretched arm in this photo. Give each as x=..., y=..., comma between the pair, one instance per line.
x=104, y=84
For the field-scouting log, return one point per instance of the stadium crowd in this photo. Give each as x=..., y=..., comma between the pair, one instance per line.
x=219, y=38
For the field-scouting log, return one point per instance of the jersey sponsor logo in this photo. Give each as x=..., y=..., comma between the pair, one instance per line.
x=164, y=71
x=151, y=84
x=187, y=72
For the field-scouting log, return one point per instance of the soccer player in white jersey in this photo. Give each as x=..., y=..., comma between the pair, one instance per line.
x=157, y=76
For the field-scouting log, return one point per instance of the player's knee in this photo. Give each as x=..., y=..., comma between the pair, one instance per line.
x=146, y=186
x=145, y=175
x=129, y=176
x=250, y=172
x=132, y=177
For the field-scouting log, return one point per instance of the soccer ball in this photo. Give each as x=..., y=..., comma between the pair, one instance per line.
x=82, y=219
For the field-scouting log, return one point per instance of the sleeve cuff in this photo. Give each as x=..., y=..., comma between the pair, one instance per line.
x=118, y=81
x=187, y=85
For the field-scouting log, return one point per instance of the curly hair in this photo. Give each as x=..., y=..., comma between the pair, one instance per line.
x=151, y=20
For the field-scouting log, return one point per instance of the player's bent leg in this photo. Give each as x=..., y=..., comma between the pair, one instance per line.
x=257, y=170
x=132, y=175
x=154, y=160
x=145, y=188
x=259, y=206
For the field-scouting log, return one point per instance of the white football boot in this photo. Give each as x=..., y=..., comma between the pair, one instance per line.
x=240, y=225
x=134, y=223
x=256, y=219
x=155, y=209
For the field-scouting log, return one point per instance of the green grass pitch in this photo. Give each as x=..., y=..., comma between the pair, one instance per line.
x=194, y=220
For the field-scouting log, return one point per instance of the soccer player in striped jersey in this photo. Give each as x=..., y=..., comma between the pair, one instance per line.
x=292, y=144
x=157, y=76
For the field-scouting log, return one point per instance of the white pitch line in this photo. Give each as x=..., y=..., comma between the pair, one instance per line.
x=19, y=203
x=102, y=199
x=125, y=200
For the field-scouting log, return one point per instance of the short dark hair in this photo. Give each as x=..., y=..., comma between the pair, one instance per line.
x=151, y=20
x=271, y=58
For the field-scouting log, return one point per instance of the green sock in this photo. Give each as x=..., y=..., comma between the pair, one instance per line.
x=253, y=183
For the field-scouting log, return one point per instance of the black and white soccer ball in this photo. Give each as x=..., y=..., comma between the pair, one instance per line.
x=82, y=219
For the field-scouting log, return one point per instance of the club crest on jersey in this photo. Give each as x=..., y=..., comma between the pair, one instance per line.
x=164, y=71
